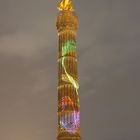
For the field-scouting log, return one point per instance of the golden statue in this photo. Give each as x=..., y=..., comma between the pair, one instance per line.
x=65, y=5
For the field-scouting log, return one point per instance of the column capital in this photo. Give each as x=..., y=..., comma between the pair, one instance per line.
x=67, y=20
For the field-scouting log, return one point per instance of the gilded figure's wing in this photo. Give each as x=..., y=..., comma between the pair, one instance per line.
x=65, y=5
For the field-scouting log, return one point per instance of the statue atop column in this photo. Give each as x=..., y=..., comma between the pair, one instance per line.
x=65, y=5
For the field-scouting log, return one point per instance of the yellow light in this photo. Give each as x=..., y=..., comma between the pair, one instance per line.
x=65, y=5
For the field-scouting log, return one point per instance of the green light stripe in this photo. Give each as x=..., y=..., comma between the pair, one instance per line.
x=67, y=48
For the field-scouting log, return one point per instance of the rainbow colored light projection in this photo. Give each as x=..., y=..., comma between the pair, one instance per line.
x=73, y=123
x=69, y=47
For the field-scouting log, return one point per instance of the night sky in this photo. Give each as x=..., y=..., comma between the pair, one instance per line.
x=108, y=45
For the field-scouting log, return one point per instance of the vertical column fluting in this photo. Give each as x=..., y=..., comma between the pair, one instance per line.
x=68, y=105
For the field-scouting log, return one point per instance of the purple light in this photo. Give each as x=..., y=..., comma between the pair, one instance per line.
x=72, y=125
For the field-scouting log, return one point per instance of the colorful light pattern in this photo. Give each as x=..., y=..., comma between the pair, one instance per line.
x=71, y=126
x=69, y=47
x=66, y=100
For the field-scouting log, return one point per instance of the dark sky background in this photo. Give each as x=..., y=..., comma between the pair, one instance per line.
x=108, y=45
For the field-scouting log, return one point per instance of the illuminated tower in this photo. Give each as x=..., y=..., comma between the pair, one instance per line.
x=68, y=100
